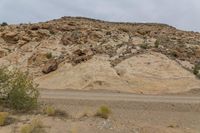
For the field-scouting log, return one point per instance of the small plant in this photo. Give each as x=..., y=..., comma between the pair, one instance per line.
x=61, y=113
x=103, y=112
x=17, y=90
x=36, y=126
x=52, y=32
x=174, y=54
x=157, y=43
x=196, y=70
x=4, y=83
x=23, y=94
x=144, y=46
x=124, y=30
x=3, y=118
x=49, y=55
x=50, y=111
x=4, y=24
x=173, y=126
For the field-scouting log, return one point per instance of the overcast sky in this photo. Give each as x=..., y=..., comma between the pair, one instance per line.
x=183, y=14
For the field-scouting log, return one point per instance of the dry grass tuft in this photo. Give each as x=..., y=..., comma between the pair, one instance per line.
x=36, y=126
x=103, y=112
x=51, y=111
x=3, y=118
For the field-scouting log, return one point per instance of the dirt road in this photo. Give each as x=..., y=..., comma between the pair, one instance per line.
x=131, y=110
x=103, y=96
x=131, y=113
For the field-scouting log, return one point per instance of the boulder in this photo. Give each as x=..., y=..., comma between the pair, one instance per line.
x=137, y=41
x=2, y=53
x=11, y=37
x=80, y=56
x=50, y=66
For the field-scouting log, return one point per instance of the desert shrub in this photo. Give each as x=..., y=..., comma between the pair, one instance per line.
x=124, y=30
x=174, y=54
x=17, y=90
x=157, y=43
x=4, y=83
x=61, y=113
x=49, y=110
x=3, y=118
x=144, y=46
x=49, y=55
x=196, y=70
x=52, y=32
x=23, y=94
x=36, y=126
x=173, y=126
x=103, y=112
x=4, y=24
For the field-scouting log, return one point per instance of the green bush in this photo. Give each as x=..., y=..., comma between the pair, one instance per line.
x=4, y=82
x=17, y=90
x=103, y=112
x=4, y=24
x=196, y=70
x=144, y=46
x=50, y=111
x=3, y=118
x=49, y=55
x=36, y=126
x=157, y=43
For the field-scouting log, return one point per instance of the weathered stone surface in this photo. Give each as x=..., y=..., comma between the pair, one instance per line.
x=137, y=41
x=80, y=56
x=11, y=37
x=50, y=66
x=2, y=53
x=77, y=41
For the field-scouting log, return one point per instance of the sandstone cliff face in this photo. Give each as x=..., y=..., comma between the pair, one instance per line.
x=149, y=73
x=80, y=53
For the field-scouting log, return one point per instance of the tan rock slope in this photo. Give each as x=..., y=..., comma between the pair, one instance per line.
x=85, y=54
x=147, y=73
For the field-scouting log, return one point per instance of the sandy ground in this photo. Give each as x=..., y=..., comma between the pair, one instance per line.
x=130, y=113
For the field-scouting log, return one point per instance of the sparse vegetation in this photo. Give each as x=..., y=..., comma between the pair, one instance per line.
x=17, y=90
x=4, y=24
x=157, y=43
x=144, y=46
x=51, y=111
x=61, y=113
x=174, y=54
x=36, y=126
x=103, y=112
x=49, y=55
x=173, y=126
x=3, y=118
x=124, y=29
x=196, y=70
x=4, y=83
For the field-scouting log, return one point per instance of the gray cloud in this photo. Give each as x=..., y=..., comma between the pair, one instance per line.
x=184, y=14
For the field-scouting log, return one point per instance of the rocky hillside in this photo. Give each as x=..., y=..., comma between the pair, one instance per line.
x=82, y=53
